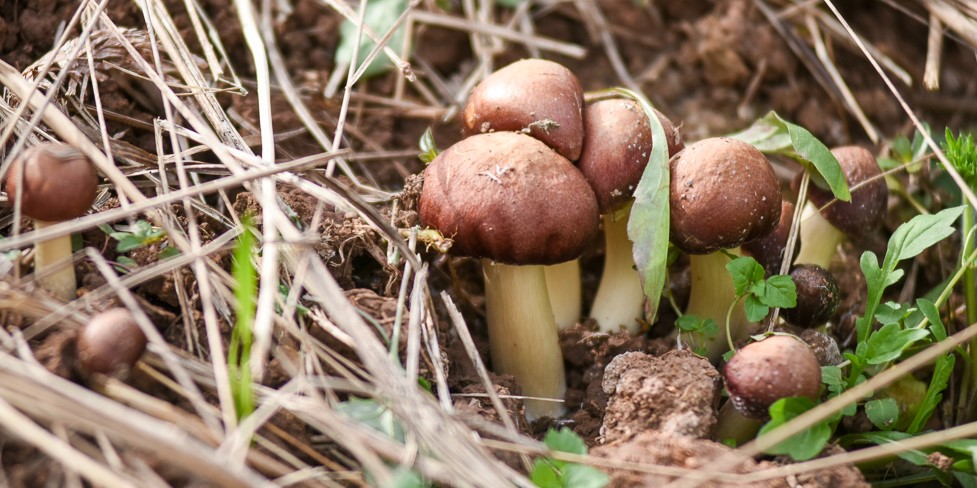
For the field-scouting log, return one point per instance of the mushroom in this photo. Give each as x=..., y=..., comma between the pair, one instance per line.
x=543, y=99
x=821, y=232
x=511, y=200
x=818, y=296
x=110, y=344
x=617, y=145
x=53, y=183
x=769, y=249
x=723, y=192
x=759, y=374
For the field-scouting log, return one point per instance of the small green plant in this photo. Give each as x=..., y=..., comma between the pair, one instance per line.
x=245, y=294
x=379, y=418
x=136, y=236
x=380, y=16
x=552, y=473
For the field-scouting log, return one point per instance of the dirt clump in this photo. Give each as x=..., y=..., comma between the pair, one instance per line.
x=673, y=394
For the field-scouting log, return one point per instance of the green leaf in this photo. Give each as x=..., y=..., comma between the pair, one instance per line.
x=883, y=412
x=893, y=313
x=429, y=150
x=773, y=134
x=583, y=476
x=380, y=16
x=565, y=440
x=916, y=457
x=745, y=272
x=545, y=475
x=167, y=253
x=374, y=415
x=832, y=375
x=941, y=377
x=405, y=478
x=649, y=222
x=801, y=446
x=699, y=325
x=933, y=315
x=129, y=243
x=887, y=343
x=780, y=292
x=755, y=310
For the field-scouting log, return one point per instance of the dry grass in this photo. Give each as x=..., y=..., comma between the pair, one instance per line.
x=128, y=433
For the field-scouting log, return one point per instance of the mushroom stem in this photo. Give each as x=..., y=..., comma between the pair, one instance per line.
x=523, y=335
x=819, y=239
x=734, y=425
x=620, y=300
x=711, y=294
x=564, y=289
x=53, y=268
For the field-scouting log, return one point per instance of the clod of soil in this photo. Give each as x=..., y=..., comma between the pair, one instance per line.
x=673, y=394
x=662, y=449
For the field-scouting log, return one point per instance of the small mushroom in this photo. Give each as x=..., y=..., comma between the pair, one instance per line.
x=723, y=193
x=821, y=232
x=763, y=372
x=617, y=145
x=509, y=199
x=110, y=344
x=759, y=374
x=818, y=296
x=535, y=96
x=53, y=183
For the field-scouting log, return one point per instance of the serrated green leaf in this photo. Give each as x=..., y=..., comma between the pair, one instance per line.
x=831, y=375
x=745, y=272
x=941, y=377
x=804, y=445
x=649, y=222
x=583, y=476
x=692, y=323
x=773, y=134
x=780, y=292
x=893, y=313
x=380, y=16
x=888, y=343
x=545, y=475
x=882, y=412
x=929, y=310
x=564, y=440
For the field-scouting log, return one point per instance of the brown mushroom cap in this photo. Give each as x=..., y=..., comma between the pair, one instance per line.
x=763, y=372
x=540, y=96
x=723, y=193
x=865, y=211
x=510, y=198
x=769, y=249
x=616, y=148
x=59, y=183
x=818, y=296
x=110, y=343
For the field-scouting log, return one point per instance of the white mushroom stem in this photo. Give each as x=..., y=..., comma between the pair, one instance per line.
x=710, y=296
x=53, y=268
x=523, y=335
x=731, y=424
x=819, y=239
x=620, y=300
x=563, y=285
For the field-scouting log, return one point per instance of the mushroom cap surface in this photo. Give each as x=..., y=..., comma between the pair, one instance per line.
x=540, y=96
x=59, y=183
x=763, y=372
x=818, y=296
x=865, y=211
x=769, y=249
x=617, y=145
x=110, y=343
x=508, y=197
x=723, y=193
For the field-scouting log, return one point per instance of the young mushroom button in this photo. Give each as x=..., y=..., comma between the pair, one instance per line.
x=509, y=199
x=110, y=344
x=53, y=183
x=766, y=371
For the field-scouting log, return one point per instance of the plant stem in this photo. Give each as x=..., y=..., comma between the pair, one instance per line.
x=819, y=239
x=564, y=289
x=620, y=300
x=523, y=335
x=53, y=267
x=970, y=299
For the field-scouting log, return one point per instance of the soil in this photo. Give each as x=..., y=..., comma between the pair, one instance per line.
x=711, y=66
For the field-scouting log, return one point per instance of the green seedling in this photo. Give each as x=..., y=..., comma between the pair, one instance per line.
x=553, y=473
x=245, y=294
x=380, y=17
x=381, y=419
x=136, y=236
